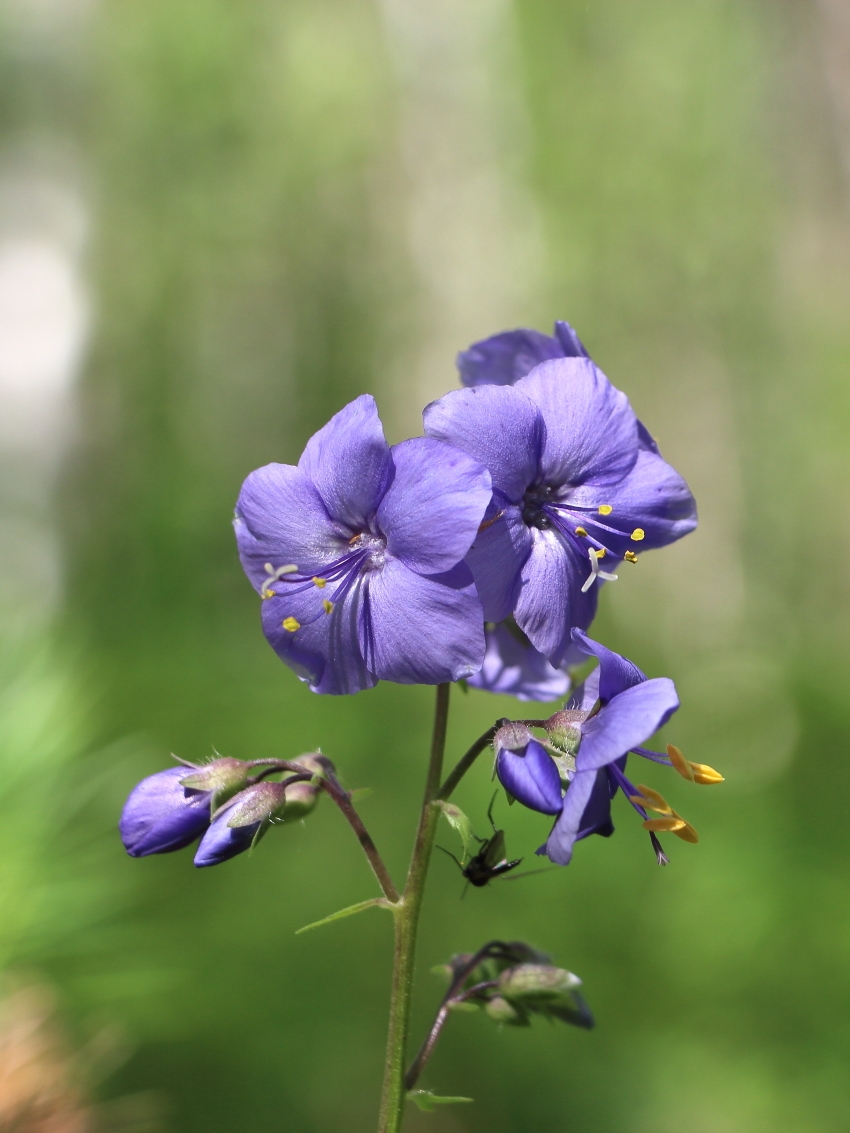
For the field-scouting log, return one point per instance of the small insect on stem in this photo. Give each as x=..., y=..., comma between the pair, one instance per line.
x=490, y=861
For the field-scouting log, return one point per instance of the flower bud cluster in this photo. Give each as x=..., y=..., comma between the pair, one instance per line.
x=229, y=804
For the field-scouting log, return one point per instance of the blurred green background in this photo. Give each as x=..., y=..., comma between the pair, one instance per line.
x=219, y=223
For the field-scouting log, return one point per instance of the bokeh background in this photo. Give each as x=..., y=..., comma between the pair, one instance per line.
x=218, y=223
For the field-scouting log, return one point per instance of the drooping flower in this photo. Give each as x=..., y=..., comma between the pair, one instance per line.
x=357, y=553
x=576, y=775
x=162, y=815
x=505, y=358
x=574, y=487
x=512, y=666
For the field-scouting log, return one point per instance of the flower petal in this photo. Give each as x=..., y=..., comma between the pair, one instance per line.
x=515, y=668
x=422, y=629
x=280, y=519
x=497, y=557
x=505, y=358
x=550, y=601
x=349, y=462
x=559, y=846
x=431, y=511
x=324, y=649
x=652, y=497
x=222, y=842
x=616, y=673
x=497, y=425
x=626, y=721
x=531, y=777
x=596, y=817
x=570, y=343
x=591, y=430
x=160, y=815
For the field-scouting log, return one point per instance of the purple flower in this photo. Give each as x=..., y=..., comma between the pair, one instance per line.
x=161, y=815
x=513, y=666
x=241, y=822
x=357, y=553
x=611, y=714
x=574, y=489
x=505, y=358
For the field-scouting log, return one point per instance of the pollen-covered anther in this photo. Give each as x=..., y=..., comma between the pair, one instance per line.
x=670, y=822
x=638, y=534
x=651, y=800
x=291, y=624
x=605, y=509
x=696, y=772
x=581, y=531
x=600, y=554
x=630, y=557
x=327, y=605
x=320, y=582
x=267, y=593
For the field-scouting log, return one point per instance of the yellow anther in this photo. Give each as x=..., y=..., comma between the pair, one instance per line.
x=267, y=593
x=706, y=775
x=581, y=531
x=654, y=800
x=682, y=765
x=605, y=509
x=687, y=834
x=600, y=554
x=327, y=606
x=670, y=825
x=320, y=582
x=638, y=534
x=630, y=557
x=291, y=624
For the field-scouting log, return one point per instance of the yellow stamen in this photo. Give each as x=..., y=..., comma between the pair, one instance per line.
x=671, y=825
x=706, y=775
x=682, y=765
x=354, y=539
x=291, y=624
x=605, y=509
x=267, y=594
x=581, y=531
x=327, y=606
x=600, y=554
x=687, y=834
x=638, y=534
x=630, y=557
x=320, y=582
x=654, y=800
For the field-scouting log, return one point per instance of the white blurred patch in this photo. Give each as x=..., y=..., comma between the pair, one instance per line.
x=44, y=323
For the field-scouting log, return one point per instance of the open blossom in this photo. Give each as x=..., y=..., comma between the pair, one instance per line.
x=583, y=765
x=576, y=490
x=513, y=667
x=357, y=554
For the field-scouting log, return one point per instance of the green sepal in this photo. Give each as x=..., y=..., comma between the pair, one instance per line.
x=378, y=902
x=460, y=822
x=256, y=804
x=428, y=1101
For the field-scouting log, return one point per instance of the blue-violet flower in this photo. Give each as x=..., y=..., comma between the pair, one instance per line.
x=357, y=553
x=162, y=815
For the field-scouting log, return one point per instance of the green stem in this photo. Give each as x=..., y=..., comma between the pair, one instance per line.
x=406, y=913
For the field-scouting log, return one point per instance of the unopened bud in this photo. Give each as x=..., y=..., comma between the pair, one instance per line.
x=500, y=1011
x=536, y=981
x=564, y=730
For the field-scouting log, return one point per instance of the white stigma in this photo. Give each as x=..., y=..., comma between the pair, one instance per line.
x=595, y=572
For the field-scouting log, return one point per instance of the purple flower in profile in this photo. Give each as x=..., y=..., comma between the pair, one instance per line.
x=357, y=553
x=505, y=358
x=513, y=667
x=611, y=715
x=161, y=815
x=575, y=490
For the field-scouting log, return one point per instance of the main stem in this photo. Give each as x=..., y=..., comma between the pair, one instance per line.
x=406, y=924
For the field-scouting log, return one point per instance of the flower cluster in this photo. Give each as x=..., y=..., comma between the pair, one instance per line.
x=227, y=803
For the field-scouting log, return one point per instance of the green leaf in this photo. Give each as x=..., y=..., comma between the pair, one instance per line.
x=379, y=902
x=427, y=1102
x=460, y=822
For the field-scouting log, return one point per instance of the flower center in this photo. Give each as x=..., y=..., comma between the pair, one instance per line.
x=373, y=548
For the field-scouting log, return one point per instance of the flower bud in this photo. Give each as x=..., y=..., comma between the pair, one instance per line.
x=537, y=981
x=163, y=814
x=564, y=730
x=500, y=1011
x=240, y=823
x=301, y=798
x=223, y=778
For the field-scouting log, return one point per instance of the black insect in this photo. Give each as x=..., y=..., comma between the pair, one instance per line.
x=490, y=861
